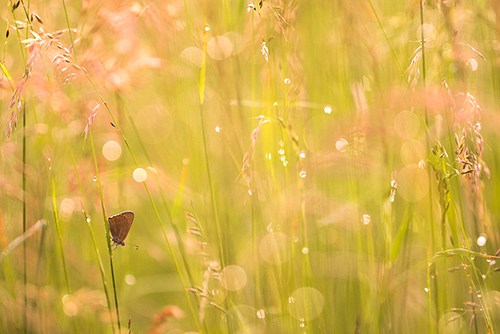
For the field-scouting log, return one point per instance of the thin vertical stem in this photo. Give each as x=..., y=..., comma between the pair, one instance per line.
x=108, y=235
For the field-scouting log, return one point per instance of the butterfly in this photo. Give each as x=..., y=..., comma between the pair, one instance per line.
x=119, y=226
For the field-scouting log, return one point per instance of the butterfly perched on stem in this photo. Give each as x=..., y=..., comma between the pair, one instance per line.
x=119, y=226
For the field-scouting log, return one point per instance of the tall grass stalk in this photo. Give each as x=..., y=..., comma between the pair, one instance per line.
x=108, y=234
x=170, y=212
x=59, y=233
x=88, y=222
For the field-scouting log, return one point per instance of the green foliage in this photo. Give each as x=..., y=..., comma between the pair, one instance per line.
x=292, y=167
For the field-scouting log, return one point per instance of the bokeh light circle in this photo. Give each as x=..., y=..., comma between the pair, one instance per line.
x=219, y=47
x=413, y=183
x=111, y=150
x=140, y=175
x=412, y=152
x=275, y=248
x=192, y=56
x=306, y=303
x=481, y=240
x=450, y=323
x=407, y=124
x=233, y=278
x=154, y=123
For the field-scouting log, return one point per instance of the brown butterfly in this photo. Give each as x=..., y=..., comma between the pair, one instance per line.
x=119, y=226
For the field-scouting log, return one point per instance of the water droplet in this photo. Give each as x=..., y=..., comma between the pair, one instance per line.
x=282, y=143
x=472, y=258
x=275, y=104
x=48, y=159
x=426, y=289
x=296, y=239
x=305, y=250
x=302, y=174
x=94, y=178
x=218, y=129
x=479, y=296
x=50, y=167
x=286, y=81
x=302, y=155
x=302, y=325
x=328, y=109
x=291, y=300
x=421, y=164
x=285, y=163
x=493, y=262
x=268, y=156
x=207, y=28
x=88, y=220
x=250, y=192
x=261, y=314
x=281, y=151
x=483, y=276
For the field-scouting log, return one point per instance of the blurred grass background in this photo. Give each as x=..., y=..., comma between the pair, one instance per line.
x=313, y=167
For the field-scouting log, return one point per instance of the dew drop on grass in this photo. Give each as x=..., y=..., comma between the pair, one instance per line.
x=88, y=220
x=261, y=314
x=426, y=289
x=218, y=129
x=302, y=174
x=305, y=250
x=328, y=109
x=94, y=178
x=302, y=155
x=286, y=81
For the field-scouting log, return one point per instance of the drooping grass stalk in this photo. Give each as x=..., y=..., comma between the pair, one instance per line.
x=108, y=235
x=89, y=225
x=59, y=234
x=171, y=213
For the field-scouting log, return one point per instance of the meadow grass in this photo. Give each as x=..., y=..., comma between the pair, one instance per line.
x=293, y=167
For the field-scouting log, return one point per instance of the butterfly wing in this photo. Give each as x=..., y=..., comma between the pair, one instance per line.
x=119, y=225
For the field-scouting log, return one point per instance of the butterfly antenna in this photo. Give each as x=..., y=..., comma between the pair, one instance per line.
x=135, y=246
